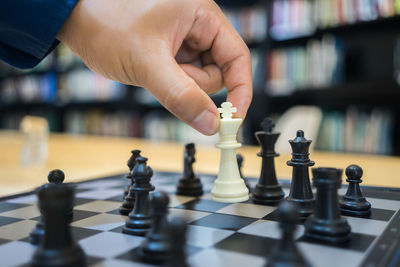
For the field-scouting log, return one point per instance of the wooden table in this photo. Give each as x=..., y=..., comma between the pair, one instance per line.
x=87, y=157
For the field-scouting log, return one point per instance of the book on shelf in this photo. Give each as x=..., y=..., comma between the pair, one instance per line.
x=357, y=131
x=83, y=85
x=249, y=22
x=296, y=18
x=319, y=64
x=29, y=88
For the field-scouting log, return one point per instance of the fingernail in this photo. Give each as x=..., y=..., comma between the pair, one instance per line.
x=206, y=123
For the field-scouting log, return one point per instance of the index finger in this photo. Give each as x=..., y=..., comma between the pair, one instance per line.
x=233, y=57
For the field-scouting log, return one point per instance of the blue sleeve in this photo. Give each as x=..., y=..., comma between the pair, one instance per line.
x=28, y=29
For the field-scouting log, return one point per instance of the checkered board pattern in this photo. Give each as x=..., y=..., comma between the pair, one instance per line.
x=219, y=234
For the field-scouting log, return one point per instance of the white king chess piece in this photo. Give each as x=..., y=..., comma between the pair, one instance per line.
x=229, y=186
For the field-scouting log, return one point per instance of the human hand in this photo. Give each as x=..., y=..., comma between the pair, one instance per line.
x=179, y=50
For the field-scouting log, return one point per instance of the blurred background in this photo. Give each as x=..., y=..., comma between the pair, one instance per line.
x=329, y=66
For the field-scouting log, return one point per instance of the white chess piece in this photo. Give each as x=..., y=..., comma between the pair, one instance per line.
x=229, y=186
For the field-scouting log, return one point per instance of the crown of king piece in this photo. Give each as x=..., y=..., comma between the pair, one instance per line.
x=226, y=110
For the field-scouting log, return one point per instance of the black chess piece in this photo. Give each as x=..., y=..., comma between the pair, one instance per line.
x=139, y=219
x=129, y=198
x=267, y=191
x=326, y=224
x=189, y=184
x=286, y=253
x=58, y=247
x=300, y=188
x=36, y=235
x=353, y=203
x=157, y=247
x=178, y=229
x=131, y=164
x=239, y=159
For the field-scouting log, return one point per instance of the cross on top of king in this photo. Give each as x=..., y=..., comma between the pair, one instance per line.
x=226, y=110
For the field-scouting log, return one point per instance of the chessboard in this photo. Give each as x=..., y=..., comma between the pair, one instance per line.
x=219, y=234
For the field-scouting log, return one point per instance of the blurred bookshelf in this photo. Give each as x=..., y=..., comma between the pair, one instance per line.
x=342, y=56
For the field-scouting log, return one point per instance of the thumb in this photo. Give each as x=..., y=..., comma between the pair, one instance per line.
x=180, y=94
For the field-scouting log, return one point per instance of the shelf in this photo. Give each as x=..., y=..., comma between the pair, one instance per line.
x=380, y=24
x=377, y=93
x=55, y=69
x=237, y=3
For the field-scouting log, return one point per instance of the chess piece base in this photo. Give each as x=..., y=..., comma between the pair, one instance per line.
x=127, y=205
x=190, y=187
x=230, y=192
x=37, y=233
x=355, y=207
x=124, y=210
x=336, y=231
x=305, y=207
x=72, y=256
x=155, y=252
x=137, y=226
x=267, y=194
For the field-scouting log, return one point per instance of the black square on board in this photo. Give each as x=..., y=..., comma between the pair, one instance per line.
x=131, y=255
x=3, y=241
x=357, y=242
x=79, y=201
x=203, y=205
x=116, y=211
x=116, y=198
x=77, y=215
x=90, y=260
x=6, y=206
x=7, y=220
x=381, y=214
x=247, y=244
x=79, y=233
x=224, y=221
x=273, y=216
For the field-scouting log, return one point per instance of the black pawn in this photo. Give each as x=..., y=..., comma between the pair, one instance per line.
x=267, y=191
x=285, y=253
x=300, y=188
x=353, y=203
x=129, y=199
x=326, y=224
x=178, y=229
x=157, y=247
x=239, y=159
x=139, y=219
x=131, y=164
x=37, y=233
x=189, y=184
x=58, y=247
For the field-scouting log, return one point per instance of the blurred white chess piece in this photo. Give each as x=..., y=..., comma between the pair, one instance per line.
x=306, y=118
x=229, y=186
x=35, y=141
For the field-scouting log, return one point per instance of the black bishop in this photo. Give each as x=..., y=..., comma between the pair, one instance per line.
x=129, y=198
x=189, y=184
x=139, y=219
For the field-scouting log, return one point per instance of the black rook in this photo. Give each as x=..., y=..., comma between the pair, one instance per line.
x=326, y=224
